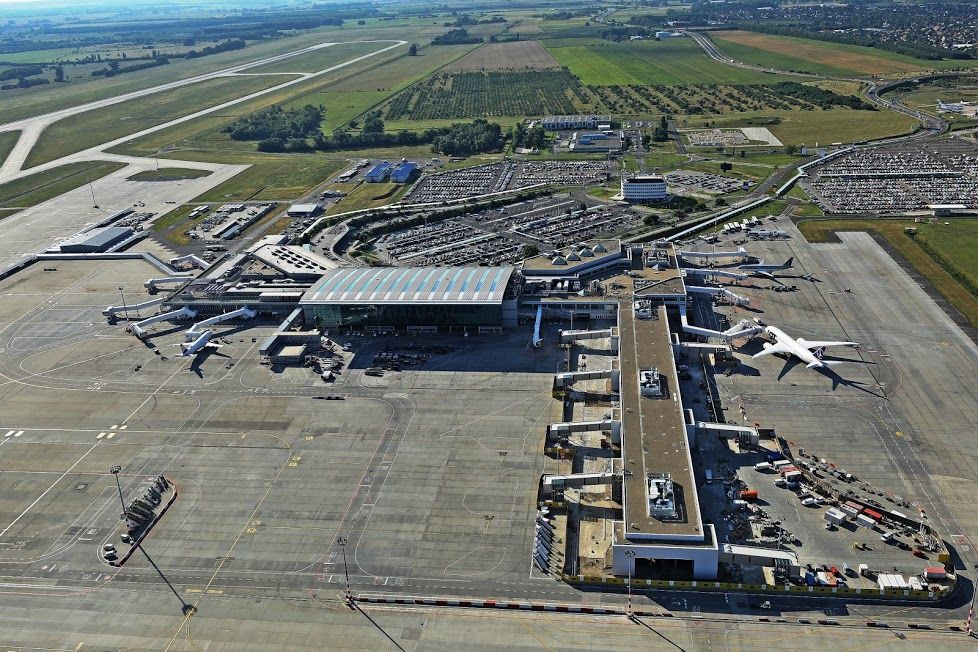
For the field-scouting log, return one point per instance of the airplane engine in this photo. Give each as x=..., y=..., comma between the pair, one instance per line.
x=767, y=345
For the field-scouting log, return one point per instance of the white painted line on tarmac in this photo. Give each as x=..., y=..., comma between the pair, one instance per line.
x=46, y=491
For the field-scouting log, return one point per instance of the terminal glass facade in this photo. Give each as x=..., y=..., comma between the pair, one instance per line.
x=401, y=315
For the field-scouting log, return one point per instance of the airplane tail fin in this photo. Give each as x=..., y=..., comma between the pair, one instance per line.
x=788, y=264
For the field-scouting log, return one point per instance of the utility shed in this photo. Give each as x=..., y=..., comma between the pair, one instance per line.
x=303, y=210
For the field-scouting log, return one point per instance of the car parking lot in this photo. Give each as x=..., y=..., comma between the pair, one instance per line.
x=499, y=235
x=895, y=179
x=706, y=182
x=508, y=175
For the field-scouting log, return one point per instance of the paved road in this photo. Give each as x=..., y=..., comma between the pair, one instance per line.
x=31, y=128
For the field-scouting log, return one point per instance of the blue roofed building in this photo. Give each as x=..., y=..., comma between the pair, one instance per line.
x=379, y=172
x=403, y=172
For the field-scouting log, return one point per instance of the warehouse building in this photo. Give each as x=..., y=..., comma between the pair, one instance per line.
x=644, y=187
x=563, y=122
x=379, y=173
x=402, y=173
x=419, y=299
x=97, y=240
x=304, y=210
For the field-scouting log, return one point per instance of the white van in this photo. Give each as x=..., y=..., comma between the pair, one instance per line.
x=763, y=466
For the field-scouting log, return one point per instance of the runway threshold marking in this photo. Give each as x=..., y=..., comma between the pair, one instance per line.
x=46, y=491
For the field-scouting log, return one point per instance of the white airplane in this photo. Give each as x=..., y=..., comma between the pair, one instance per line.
x=203, y=341
x=808, y=352
x=764, y=269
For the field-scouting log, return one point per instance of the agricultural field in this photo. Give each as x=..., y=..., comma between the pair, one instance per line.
x=820, y=57
x=7, y=141
x=477, y=94
x=669, y=62
x=946, y=258
x=42, y=186
x=508, y=55
x=91, y=128
x=353, y=94
x=321, y=59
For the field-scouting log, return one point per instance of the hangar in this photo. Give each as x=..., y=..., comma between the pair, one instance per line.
x=413, y=298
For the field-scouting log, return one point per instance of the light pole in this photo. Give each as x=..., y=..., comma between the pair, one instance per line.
x=630, y=554
x=346, y=571
x=124, y=310
x=114, y=470
x=971, y=610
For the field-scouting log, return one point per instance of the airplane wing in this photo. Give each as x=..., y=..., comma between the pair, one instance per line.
x=772, y=349
x=818, y=345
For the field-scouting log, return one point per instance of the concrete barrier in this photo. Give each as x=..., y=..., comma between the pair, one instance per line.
x=729, y=587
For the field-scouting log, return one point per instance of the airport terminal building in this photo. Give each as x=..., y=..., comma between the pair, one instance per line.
x=418, y=299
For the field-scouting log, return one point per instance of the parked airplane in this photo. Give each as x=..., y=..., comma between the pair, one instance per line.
x=808, y=352
x=203, y=341
x=764, y=269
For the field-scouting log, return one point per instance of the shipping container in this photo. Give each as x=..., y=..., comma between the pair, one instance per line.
x=864, y=521
x=873, y=514
x=835, y=516
x=849, y=511
x=787, y=469
x=856, y=506
x=748, y=494
x=780, y=462
x=935, y=573
x=763, y=466
x=773, y=456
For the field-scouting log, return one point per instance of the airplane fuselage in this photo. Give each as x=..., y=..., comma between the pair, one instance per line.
x=793, y=347
x=192, y=348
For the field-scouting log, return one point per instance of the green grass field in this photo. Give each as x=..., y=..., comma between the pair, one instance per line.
x=369, y=195
x=92, y=128
x=17, y=105
x=954, y=243
x=7, y=141
x=37, y=188
x=321, y=59
x=281, y=177
x=169, y=174
x=669, y=62
x=808, y=127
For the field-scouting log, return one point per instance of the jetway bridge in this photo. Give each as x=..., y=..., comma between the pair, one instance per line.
x=733, y=296
x=567, y=378
x=153, y=284
x=112, y=311
x=581, y=335
x=139, y=328
x=567, y=427
x=198, y=328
